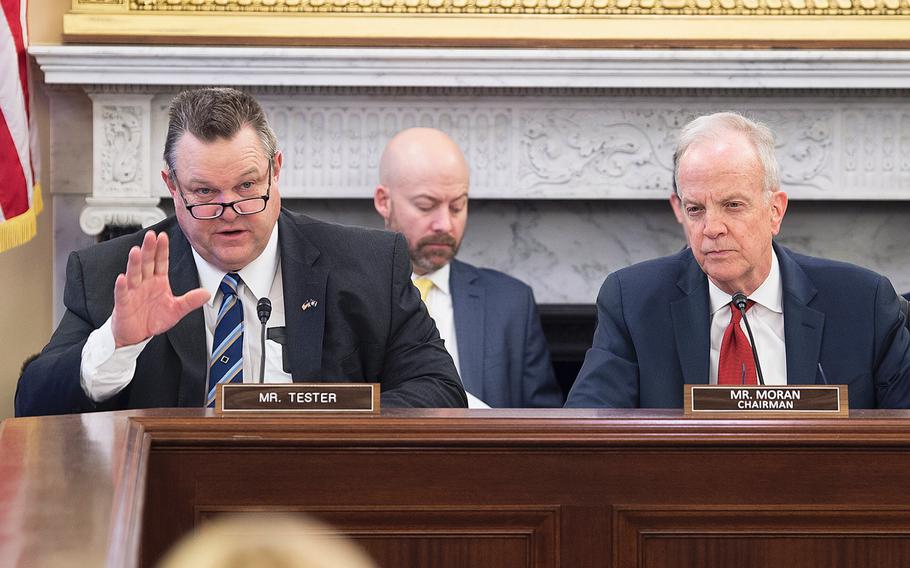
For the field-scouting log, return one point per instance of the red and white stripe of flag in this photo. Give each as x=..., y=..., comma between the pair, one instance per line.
x=20, y=194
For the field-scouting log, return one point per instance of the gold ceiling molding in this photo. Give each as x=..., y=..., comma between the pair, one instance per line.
x=528, y=7
x=525, y=23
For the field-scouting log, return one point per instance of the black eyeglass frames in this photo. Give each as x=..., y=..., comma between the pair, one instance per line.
x=245, y=206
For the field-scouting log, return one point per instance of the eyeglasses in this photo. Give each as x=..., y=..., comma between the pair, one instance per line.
x=245, y=206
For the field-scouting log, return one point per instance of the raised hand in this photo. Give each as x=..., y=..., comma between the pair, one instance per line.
x=144, y=304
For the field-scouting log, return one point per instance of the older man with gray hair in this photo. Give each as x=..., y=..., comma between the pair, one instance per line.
x=670, y=321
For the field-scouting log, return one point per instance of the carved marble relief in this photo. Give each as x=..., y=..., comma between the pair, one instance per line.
x=876, y=151
x=122, y=152
x=597, y=146
x=94, y=218
x=334, y=150
x=805, y=142
x=588, y=147
x=122, y=189
x=597, y=153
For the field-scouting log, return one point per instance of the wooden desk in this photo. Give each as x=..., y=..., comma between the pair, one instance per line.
x=469, y=488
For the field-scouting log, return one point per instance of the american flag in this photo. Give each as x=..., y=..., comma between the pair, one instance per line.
x=20, y=194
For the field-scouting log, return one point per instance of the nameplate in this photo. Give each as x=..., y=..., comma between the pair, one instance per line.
x=297, y=398
x=803, y=401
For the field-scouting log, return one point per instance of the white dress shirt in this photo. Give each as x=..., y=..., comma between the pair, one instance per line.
x=439, y=304
x=107, y=370
x=766, y=318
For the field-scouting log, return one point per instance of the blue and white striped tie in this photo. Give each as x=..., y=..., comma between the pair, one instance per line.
x=226, y=362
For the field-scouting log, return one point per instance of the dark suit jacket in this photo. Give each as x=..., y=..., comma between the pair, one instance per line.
x=368, y=325
x=653, y=333
x=502, y=351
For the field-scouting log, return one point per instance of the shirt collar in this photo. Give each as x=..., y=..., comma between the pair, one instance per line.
x=769, y=295
x=257, y=276
x=440, y=278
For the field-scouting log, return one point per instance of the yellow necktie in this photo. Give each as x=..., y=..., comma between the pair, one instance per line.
x=424, y=285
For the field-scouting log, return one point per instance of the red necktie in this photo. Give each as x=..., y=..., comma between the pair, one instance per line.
x=735, y=352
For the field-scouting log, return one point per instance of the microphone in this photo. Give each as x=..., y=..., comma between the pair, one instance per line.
x=822, y=373
x=263, y=310
x=741, y=301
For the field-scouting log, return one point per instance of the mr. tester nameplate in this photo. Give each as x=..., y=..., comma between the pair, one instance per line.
x=297, y=398
x=803, y=401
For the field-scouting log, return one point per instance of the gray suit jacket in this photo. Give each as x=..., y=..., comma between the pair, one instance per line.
x=502, y=351
x=369, y=324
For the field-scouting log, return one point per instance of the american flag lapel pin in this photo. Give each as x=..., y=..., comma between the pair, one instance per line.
x=311, y=303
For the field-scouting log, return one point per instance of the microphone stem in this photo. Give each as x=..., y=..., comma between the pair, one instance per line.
x=761, y=379
x=262, y=359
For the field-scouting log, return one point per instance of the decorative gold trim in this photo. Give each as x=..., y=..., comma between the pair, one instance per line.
x=102, y=6
x=649, y=23
x=865, y=8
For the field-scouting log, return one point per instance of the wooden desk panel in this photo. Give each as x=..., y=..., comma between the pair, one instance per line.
x=470, y=488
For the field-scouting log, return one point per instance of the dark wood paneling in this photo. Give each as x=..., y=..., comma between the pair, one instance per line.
x=488, y=550
x=637, y=475
x=544, y=488
x=437, y=536
x=765, y=536
x=776, y=551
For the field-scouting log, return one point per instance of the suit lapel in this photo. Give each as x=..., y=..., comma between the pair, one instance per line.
x=467, y=307
x=304, y=300
x=803, y=326
x=691, y=316
x=187, y=338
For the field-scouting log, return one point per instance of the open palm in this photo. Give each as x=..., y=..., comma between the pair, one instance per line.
x=144, y=304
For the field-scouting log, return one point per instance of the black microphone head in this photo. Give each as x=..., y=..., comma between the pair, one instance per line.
x=264, y=309
x=740, y=300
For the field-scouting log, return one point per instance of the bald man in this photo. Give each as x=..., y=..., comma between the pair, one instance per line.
x=489, y=320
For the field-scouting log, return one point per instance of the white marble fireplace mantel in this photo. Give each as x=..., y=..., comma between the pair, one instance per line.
x=534, y=123
x=570, y=150
x=487, y=68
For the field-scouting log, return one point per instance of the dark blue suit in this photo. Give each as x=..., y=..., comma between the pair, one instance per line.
x=369, y=324
x=502, y=351
x=653, y=333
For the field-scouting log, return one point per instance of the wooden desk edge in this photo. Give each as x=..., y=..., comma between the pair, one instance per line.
x=136, y=432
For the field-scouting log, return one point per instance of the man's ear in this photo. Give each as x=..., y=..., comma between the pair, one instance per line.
x=276, y=163
x=779, y=202
x=381, y=201
x=676, y=204
x=165, y=175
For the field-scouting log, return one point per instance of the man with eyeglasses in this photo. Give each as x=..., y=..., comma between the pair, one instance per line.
x=343, y=307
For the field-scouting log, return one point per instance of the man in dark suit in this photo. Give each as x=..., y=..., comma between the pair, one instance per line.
x=343, y=305
x=669, y=321
x=488, y=320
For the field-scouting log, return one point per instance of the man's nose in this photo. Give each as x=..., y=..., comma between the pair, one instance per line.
x=442, y=221
x=229, y=214
x=715, y=225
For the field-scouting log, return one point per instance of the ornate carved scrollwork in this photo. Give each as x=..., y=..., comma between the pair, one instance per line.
x=94, y=218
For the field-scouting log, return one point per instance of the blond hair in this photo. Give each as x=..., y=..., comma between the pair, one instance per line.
x=265, y=540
